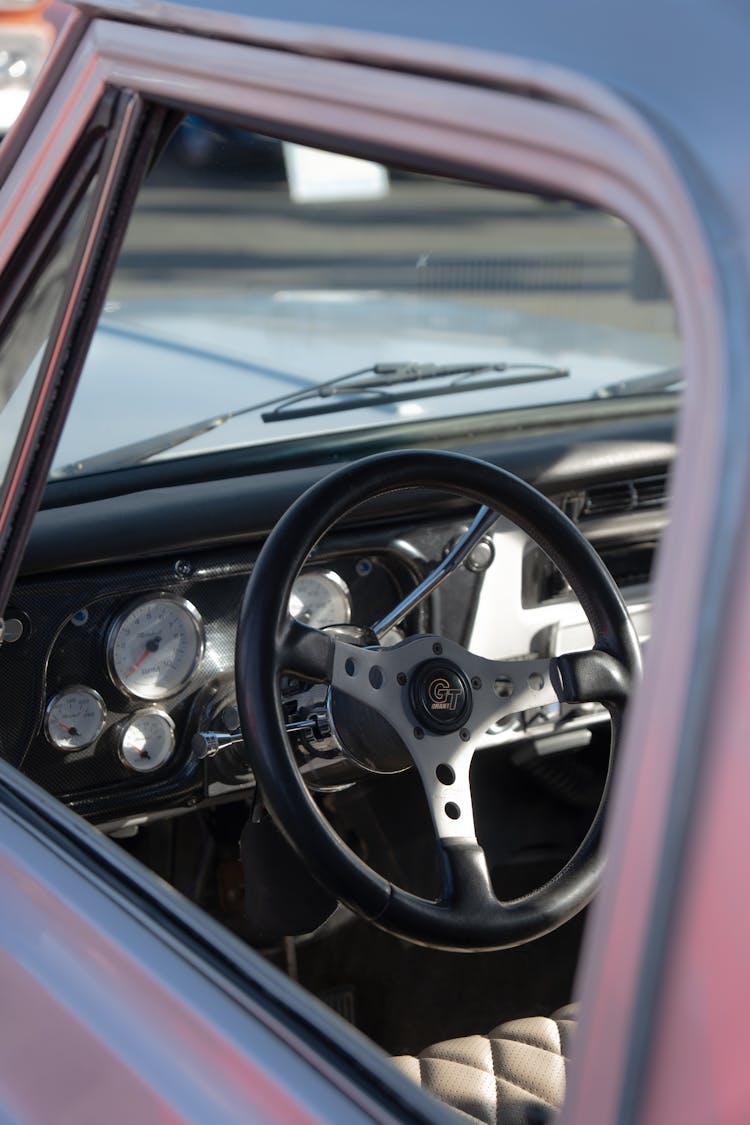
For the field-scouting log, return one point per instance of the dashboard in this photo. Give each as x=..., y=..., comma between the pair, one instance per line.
x=118, y=671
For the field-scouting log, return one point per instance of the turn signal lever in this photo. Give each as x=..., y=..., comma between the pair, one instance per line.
x=207, y=743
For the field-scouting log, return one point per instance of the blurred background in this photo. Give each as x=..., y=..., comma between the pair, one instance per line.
x=227, y=211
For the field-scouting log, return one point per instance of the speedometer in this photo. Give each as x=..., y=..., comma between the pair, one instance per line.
x=320, y=598
x=155, y=647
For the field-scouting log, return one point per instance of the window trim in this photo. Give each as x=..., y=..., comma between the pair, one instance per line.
x=587, y=144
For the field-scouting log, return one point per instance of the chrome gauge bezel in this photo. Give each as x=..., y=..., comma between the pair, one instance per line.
x=70, y=689
x=128, y=722
x=335, y=579
x=155, y=695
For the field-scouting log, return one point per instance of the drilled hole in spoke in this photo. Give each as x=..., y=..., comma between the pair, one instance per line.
x=452, y=810
x=503, y=687
x=445, y=774
x=376, y=677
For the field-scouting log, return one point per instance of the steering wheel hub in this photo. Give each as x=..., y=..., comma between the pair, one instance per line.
x=440, y=696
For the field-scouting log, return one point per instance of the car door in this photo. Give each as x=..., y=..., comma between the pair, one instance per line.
x=139, y=1002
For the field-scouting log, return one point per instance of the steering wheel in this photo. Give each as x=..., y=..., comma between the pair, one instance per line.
x=433, y=697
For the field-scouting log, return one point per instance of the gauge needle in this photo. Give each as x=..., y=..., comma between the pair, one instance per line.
x=151, y=646
x=69, y=730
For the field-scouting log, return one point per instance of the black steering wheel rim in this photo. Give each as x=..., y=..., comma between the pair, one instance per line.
x=465, y=919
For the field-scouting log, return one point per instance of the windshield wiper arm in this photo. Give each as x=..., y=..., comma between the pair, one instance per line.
x=351, y=392
x=135, y=452
x=355, y=391
x=642, y=384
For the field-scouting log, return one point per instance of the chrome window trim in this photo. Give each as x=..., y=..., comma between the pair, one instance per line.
x=619, y=163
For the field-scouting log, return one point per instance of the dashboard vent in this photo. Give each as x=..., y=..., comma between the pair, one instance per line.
x=609, y=499
x=651, y=492
x=618, y=497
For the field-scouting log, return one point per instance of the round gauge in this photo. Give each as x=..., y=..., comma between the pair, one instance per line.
x=320, y=598
x=74, y=718
x=154, y=647
x=147, y=740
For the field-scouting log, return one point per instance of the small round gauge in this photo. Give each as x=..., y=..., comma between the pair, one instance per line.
x=320, y=598
x=74, y=718
x=147, y=740
x=154, y=647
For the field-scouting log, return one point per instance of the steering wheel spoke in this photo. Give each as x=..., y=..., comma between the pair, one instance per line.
x=518, y=685
x=444, y=765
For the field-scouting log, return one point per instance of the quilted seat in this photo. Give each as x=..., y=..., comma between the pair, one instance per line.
x=503, y=1077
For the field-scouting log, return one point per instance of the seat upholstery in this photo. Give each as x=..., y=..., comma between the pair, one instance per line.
x=501, y=1078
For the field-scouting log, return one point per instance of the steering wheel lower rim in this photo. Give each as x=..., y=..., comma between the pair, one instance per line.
x=468, y=916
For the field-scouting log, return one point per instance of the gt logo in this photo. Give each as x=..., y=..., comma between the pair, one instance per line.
x=443, y=697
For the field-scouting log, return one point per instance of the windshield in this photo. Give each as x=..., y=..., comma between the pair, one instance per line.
x=254, y=272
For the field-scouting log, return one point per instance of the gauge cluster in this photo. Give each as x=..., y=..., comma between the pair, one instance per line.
x=117, y=665
x=154, y=649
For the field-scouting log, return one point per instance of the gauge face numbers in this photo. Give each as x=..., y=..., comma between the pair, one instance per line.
x=74, y=718
x=147, y=740
x=155, y=647
x=320, y=598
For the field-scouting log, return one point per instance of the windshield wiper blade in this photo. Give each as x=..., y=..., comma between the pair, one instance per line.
x=664, y=380
x=355, y=390
x=351, y=392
